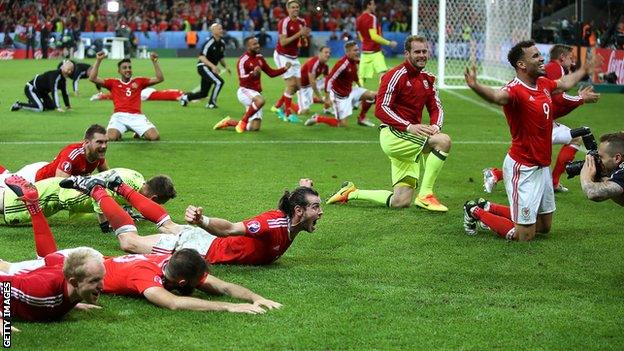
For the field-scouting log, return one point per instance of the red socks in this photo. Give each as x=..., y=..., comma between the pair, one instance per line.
x=565, y=155
x=500, y=225
x=498, y=173
x=44, y=240
x=166, y=95
x=280, y=102
x=152, y=211
x=116, y=216
x=365, y=107
x=334, y=122
x=287, y=104
x=500, y=210
x=251, y=110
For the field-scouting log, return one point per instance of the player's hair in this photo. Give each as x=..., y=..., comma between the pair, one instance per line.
x=615, y=141
x=162, y=187
x=75, y=265
x=63, y=62
x=94, y=128
x=323, y=47
x=365, y=4
x=559, y=49
x=408, y=41
x=189, y=265
x=246, y=40
x=291, y=1
x=122, y=61
x=517, y=52
x=350, y=44
x=297, y=197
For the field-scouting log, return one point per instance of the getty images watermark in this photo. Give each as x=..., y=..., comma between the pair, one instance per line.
x=6, y=314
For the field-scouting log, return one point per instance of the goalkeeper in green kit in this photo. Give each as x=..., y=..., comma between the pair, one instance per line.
x=53, y=198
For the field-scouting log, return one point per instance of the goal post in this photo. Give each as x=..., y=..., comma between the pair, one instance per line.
x=461, y=32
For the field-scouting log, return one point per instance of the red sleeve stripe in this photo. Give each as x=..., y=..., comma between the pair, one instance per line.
x=342, y=67
x=75, y=153
x=572, y=98
x=440, y=110
x=241, y=66
x=386, y=100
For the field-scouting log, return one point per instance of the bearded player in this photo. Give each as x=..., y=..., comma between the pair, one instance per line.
x=126, y=94
x=528, y=107
x=561, y=58
x=150, y=276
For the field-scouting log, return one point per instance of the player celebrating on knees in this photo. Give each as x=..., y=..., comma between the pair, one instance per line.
x=403, y=93
x=126, y=94
x=528, y=107
x=561, y=57
x=369, y=32
x=248, y=68
x=339, y=85
x=292, y=33
x=311, y=72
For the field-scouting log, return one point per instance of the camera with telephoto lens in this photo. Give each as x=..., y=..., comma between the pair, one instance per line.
x=574, y=168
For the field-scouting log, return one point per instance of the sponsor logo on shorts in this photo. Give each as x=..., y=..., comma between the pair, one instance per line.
x=253, y=227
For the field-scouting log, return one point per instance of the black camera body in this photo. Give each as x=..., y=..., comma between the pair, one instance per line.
x=574, y=168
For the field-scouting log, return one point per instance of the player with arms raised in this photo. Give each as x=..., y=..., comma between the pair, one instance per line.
x=369, y=32
x=126, y=93
x=249, y=67
x=528, y=106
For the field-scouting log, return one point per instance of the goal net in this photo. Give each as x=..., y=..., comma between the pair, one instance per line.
x=464, y=31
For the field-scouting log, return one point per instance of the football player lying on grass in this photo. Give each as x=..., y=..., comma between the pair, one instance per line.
x=149, y=276
x=259, y=240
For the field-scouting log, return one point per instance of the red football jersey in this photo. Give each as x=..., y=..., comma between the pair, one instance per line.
x=363, y=23
x=403, y=94
x=38, y=295
x=245, y=67
x=127, y=96
x=529, y=114
x=312, y=65
x=342, y=77
x=71, y=160
x=289, y=27
x=133, y=274
x=562, y=102
x=266, y=239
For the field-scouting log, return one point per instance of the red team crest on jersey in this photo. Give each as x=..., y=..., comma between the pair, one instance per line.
x=135, y=85
x=253, y=226
x=547, y=93
x=66, y=166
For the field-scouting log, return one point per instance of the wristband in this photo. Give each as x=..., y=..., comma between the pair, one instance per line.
x=205, y=221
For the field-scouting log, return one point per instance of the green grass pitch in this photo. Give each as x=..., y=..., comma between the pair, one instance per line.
x=369, y=277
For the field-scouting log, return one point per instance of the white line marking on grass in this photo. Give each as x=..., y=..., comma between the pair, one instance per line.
x=232, y=142
x=475, y=101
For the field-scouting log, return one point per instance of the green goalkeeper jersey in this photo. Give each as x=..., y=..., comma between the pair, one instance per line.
x=53, y=198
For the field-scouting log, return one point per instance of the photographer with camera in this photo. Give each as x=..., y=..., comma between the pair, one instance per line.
x=602, y=175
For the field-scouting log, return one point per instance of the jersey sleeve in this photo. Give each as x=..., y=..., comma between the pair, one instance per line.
x=256, y=226
x=268, y=70
x=143, y=82
x=385, y=102
x=143, y=278
x=434, y=106
x=618, y=178
x=513, y=94
x=65, y=163
x=108, y=83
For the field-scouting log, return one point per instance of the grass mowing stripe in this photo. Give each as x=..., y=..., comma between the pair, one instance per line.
x=234, y=142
